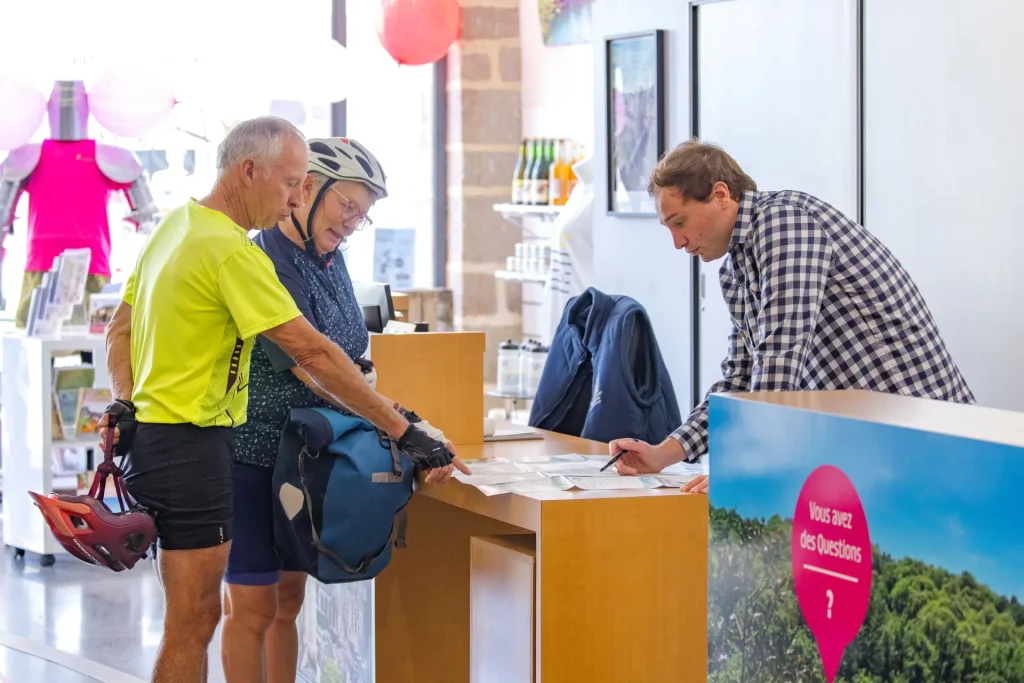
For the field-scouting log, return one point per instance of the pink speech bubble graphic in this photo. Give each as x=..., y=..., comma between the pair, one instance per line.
x=831, y=562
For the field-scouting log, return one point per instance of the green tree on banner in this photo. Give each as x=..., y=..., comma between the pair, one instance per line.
x=924, y=624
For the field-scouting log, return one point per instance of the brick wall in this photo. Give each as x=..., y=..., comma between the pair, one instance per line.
x=484, y=129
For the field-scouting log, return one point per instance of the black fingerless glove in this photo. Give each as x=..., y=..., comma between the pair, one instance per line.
x=425, y=452
x=124, y=410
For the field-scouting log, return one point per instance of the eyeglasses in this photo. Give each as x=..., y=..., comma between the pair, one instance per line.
x=350, y=210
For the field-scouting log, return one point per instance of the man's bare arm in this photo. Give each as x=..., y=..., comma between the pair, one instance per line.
x=304, y=377
x=119, y=353
x=336, y=374
x=311, y=384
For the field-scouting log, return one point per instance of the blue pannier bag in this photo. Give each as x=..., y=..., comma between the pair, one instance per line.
x=341, y=488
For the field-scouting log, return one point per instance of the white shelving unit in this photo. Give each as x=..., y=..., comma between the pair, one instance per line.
x=520, y=277
x=542, y=210
x=27, y=440
x=536, y=225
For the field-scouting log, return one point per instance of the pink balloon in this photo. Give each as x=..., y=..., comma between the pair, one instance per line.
x=418, y=31
x=130, y=105
x=24, y=108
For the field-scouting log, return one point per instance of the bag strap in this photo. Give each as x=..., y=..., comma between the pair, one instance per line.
x=401, y=522
x=396, y=459
x=363, y=567
x=107, y=468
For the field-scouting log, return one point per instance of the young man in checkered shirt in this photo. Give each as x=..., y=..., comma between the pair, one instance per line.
x=816, y=301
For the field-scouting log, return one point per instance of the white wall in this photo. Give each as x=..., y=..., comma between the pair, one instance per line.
x=558, y=84
x=634, y=256
x=943, y=109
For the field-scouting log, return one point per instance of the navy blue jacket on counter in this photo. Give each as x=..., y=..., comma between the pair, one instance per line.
x=604, y=377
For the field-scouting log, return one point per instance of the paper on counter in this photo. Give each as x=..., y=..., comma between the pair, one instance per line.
x=567, y=471
x=685, y=468
x=565, y=457
x=529, y=486
x=574, y=469
x=613, y=483
x=499, y=478
x=485, y=462
x=487, y=467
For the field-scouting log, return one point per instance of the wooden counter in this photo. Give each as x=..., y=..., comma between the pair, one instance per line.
x=619, y=592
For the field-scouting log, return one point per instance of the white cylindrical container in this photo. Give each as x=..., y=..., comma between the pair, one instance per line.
x=535, y=358
x=508, y=368
x=524, y=365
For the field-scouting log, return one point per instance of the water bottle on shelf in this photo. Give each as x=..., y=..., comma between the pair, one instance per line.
x=533, y=367
x=524, y=348
x=509, y=383
x=529, y=354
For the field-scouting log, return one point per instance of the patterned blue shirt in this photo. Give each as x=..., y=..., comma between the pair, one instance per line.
x=324, y=296
x=817, y=302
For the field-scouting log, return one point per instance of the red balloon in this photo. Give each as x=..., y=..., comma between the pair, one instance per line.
x=418, y=31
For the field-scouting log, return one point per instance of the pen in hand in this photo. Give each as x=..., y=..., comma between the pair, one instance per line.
x=613, y=460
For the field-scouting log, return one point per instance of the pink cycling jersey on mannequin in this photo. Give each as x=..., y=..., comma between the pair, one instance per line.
x=70, y=179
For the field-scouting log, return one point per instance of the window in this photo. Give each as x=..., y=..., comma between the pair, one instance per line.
x=390, y=109
x=220, y=67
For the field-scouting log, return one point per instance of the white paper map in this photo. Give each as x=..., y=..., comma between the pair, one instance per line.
x=567, y=471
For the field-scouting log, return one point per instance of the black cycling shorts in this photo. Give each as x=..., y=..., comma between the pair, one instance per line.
x=181, y=474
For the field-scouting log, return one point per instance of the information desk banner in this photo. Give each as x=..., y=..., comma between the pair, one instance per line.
x=848, y=550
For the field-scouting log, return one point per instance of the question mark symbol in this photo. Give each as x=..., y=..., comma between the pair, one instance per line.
x=831, y=597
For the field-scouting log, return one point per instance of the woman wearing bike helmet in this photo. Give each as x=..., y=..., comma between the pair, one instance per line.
x=344, y=181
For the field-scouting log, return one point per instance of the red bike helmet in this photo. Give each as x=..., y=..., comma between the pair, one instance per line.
x=89, y=530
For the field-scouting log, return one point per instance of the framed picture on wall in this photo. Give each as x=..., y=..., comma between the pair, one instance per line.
x=635, y=101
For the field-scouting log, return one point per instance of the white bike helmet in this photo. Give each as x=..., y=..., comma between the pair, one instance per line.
x=339, y=159
x=346, y=159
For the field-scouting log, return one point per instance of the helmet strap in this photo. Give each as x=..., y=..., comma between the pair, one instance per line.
x=107, y=468
x=307, y=234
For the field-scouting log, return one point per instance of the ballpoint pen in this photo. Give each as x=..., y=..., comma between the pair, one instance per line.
x=613, y=460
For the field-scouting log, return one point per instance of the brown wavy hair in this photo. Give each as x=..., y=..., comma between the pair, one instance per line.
x=694, y=167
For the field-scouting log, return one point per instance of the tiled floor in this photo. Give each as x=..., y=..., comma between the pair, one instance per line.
x=89, y=613
x=17, y=667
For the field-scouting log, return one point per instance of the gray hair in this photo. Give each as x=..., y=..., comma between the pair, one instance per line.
x=260, y=139
x=319, y=180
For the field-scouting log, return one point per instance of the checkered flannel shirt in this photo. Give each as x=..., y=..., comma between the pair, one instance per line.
x=817, y=302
